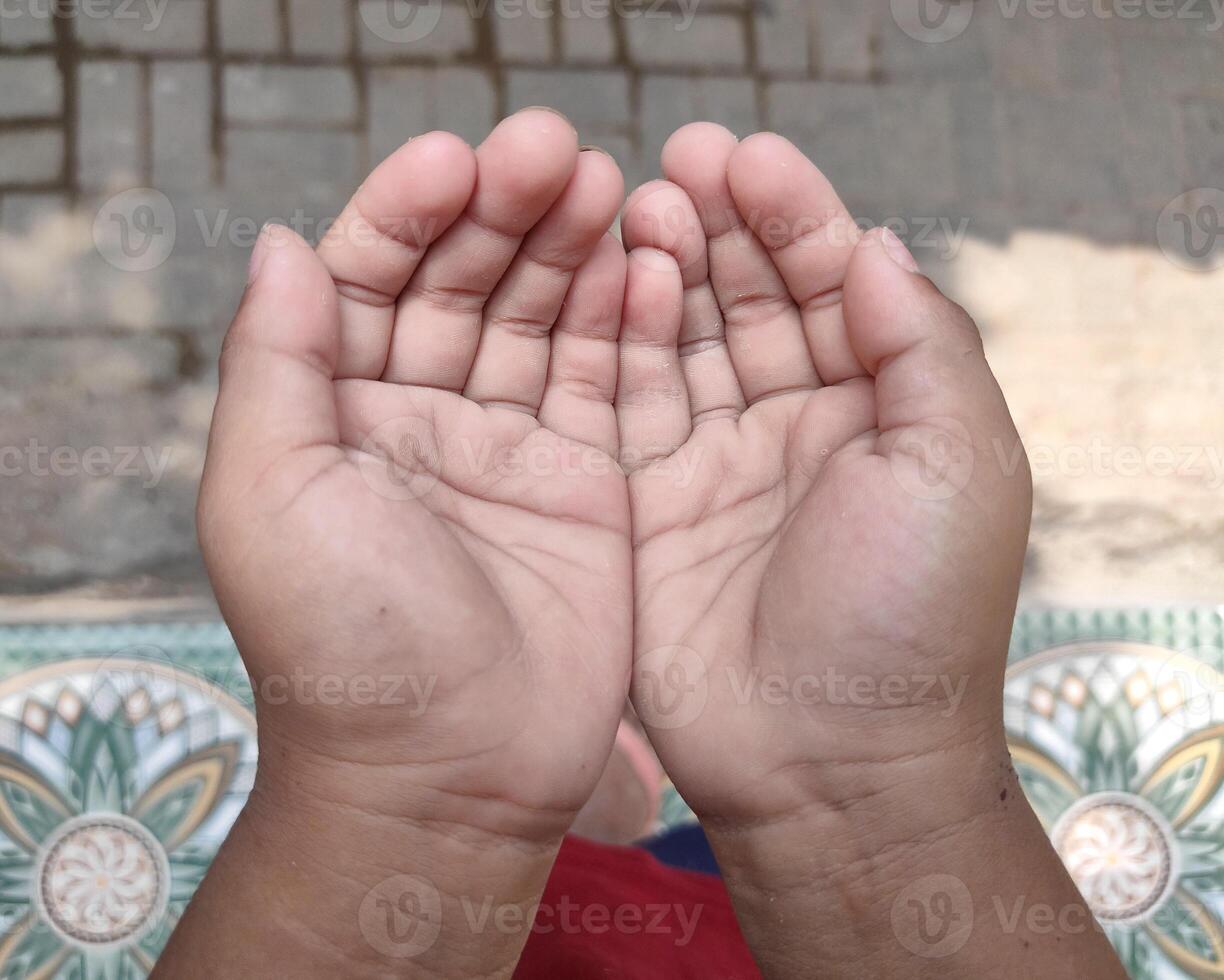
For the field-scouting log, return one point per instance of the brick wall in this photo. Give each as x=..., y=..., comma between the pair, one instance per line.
x=237, y=111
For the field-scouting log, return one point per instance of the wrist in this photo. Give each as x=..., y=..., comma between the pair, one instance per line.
x=935, y=867
x=387, y=890
x=393, y=778
x=862, y=820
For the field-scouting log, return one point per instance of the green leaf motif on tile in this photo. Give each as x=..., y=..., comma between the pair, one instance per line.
x=1171, y=794
x=36, y=951
x=29, y=808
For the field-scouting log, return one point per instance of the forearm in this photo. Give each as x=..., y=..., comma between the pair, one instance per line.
x=307, y=886
x=929, y=870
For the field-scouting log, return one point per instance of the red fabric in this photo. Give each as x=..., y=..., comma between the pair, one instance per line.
x=618, y=912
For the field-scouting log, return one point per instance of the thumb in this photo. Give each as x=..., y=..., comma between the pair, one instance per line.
x=277, y=364
x=942, y=418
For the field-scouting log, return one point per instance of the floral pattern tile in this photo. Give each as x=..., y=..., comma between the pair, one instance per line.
x=126, y=753
x=1115, y=720
x=124, y=760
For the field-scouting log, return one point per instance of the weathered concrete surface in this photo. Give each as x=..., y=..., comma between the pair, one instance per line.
x=1051, y=144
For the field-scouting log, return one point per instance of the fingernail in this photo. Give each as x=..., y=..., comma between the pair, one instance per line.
x=897, y=251
x=593, y=148
x=259, y=253
x=548, y=108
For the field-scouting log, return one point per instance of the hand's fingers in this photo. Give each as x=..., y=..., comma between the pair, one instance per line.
x=796, y=213
x=276, y=394
x=652, y=405
x=512, y=361
x=764, y=331
x=582, y=371
x=522, y=168
x=936, y=398
x=374, y=247
x=446, y=448
x=661, y=215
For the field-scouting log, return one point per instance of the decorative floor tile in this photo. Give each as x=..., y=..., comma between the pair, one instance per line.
x=1115, y=720
x=1116, y=726
x=126, y=753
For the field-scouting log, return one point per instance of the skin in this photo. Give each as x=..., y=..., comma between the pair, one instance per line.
x=365, y=456
x=822, y=612
x=413, y=475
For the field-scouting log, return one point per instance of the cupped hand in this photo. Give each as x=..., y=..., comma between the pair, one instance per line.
x=412, y=514
x=830, y=502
